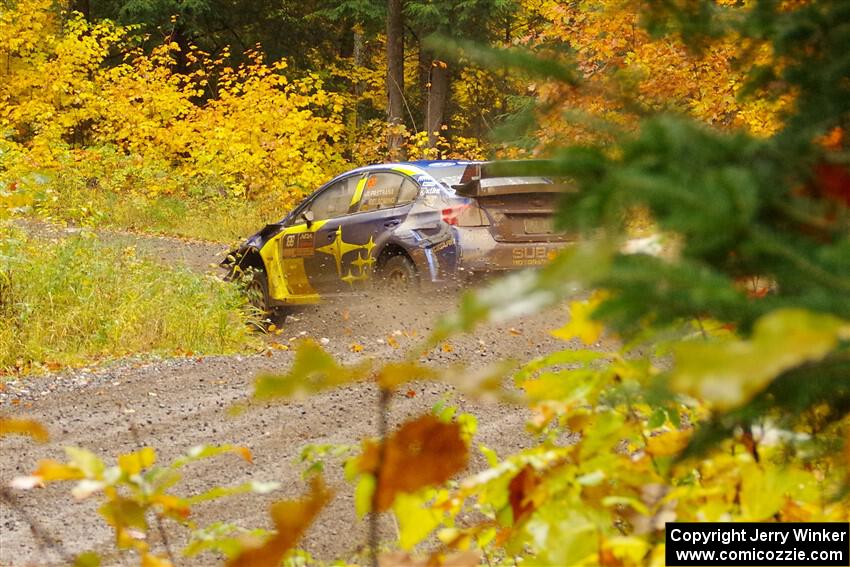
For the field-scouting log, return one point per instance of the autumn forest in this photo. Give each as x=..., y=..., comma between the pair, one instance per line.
x=683, y=356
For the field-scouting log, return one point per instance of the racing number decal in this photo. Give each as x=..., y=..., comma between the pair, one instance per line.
x=298, y=245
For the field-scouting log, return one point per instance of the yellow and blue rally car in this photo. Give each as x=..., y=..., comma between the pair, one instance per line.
x=400, y=224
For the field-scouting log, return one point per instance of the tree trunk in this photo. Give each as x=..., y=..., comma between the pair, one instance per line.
x=436, y=106
x=425, y=58
x=395, y=77
x=359, y=54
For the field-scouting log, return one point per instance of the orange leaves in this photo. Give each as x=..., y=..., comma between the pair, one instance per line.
x=520, y=493
x=16, y=426
x=832, y=181
x=420, y=453
x=50, y=471
x=291, y=519
x=616, y=55
x=832, y=140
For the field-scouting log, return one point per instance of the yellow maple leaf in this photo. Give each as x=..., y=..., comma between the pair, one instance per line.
x=581, y=325
x=14, y=426
x=668, y=443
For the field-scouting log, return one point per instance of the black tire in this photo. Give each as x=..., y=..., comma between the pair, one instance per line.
x=398, y=274
x=257, y=290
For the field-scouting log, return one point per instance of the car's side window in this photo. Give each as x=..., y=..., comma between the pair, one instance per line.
x=335, y=200
x=384, y=190
x=408, y=192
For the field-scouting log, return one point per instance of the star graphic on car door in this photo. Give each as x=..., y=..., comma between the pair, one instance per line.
x=339, y=248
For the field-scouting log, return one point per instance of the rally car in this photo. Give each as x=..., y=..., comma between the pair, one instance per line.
x=400, y=225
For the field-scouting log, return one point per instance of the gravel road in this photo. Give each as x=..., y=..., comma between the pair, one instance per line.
x=174, y=404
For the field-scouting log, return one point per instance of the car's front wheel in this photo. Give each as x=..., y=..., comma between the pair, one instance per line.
x=257, y=290
x=398, y=273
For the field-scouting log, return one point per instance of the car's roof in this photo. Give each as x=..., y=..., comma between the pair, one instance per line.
x=418, y=167
x=423, y=165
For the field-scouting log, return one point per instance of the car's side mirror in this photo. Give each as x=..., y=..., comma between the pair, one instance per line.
x=308, y=217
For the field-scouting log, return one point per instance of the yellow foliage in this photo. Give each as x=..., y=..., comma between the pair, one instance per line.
x=581, y=324
x=619, y=61
x=18, y=426
x=247, y=131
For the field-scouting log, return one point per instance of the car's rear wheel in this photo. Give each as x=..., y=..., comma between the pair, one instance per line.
x=398, y=274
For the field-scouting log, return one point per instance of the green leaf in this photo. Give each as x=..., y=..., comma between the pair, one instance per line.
x=88, y=463
x=634, y=503
x=313, y=370
x=567, y=386
x=201, y=452
x=675, y=417
x=87, y=559
x=562, y=357
x=256, y=487
x=728, y=373
x=657, y=419
x=561, y=536
x=124, y=512
x=765, y=490
x=529, y=291
x=224, y=538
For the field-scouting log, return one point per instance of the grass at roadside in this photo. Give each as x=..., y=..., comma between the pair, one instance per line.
x=218, y=220
x=78, y=300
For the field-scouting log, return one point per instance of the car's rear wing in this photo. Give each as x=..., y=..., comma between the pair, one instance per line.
x=507, y=178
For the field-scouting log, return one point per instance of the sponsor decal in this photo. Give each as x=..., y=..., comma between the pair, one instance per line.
x=298, y=245
x=443, y=245
x=532, y=255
